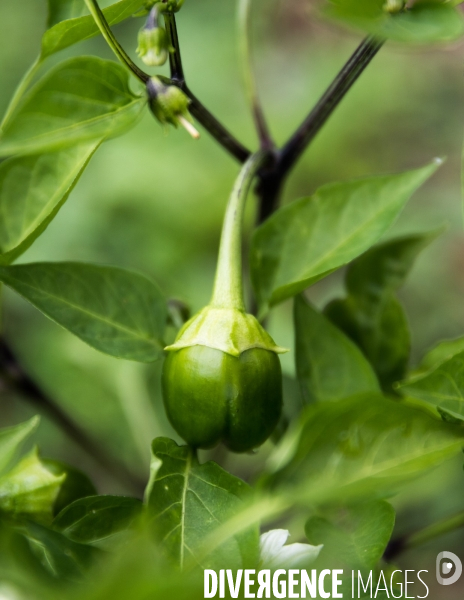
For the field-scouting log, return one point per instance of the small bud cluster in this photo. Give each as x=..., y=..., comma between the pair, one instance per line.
x=153, y=40
x=153, y=46
x=165, y=5
x=169, y=105
x=394, y=6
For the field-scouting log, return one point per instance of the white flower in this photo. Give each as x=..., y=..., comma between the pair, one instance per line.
x=8, y=593
x=274, y=553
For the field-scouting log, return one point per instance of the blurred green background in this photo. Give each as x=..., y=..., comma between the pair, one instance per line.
x=154, y=203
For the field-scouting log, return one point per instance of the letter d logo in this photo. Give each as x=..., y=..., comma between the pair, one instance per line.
x=446, y=563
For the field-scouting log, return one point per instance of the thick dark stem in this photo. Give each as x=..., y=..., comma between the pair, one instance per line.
x=272, y=181
x=198, y=110
x=311, y=126
x=175, y=58
x=15, y=377
x=268, y=190
x=215, y=128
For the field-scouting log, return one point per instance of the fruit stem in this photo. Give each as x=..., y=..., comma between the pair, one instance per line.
x=228, y=284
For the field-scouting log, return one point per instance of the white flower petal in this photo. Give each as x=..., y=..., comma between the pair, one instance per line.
x=271, y=544
x=274, y=553
x=296, y=556
x=8, y=593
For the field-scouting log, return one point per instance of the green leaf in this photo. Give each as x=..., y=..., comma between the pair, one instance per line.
x=427, y=21
x=30, y=489
x=442, y=387
x=61, y=558
x=83, y=98
x=70, y=22
x=442, y=352
x=359, y=541
x=61, y=10
x=98, y=520
x=371, y=315
x=312, y=237
x=32, y=190
x=189, y=500
x=386, y=266
x=12, y=438
x=75, y=486
x=329, y=365
x=116, y=311
x=359, y=447
x=383, y=336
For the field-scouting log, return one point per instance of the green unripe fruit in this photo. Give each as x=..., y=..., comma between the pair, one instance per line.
x=211, y=396
x=222, y=380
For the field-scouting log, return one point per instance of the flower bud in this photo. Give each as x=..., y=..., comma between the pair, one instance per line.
x=169, y=105
x=394, y=6
x=153, y=46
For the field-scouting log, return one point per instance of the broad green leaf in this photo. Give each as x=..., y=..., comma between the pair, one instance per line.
x=371, y=314
x=61, y=558
x=382, y=334
x=32, y=190
x=312, y=237
x=386, y=266
x=189, y=500
x=329, y=365
x=425, y=22
x=81, y=99
x=442, y=387
x=75, y=486
x=30, y=489
x=116, y=311
x=359, y=447
x=98, y=520
x=359, y=540
x=61, y=10
x=443, y=351
x=12, y=438
x=69, y=22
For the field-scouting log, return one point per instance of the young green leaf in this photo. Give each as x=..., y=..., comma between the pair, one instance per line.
x=61, y=558
x=442, y=387
x=69, y=22
x=61, y=10
x=81, y=99
x=75, y=486
x=189, y=500
x=30, y=489
x=98, y=520
x=383, y=335
x=32, y=190
x=12, y=438
x=442, y=352
x=425, y=22
x=359, y=447
x=359, y=541
x=371, y=315
x=116, y=311
x=312, y=237
x=329, y=365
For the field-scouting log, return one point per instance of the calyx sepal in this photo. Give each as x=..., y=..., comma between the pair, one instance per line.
x=230, y=330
